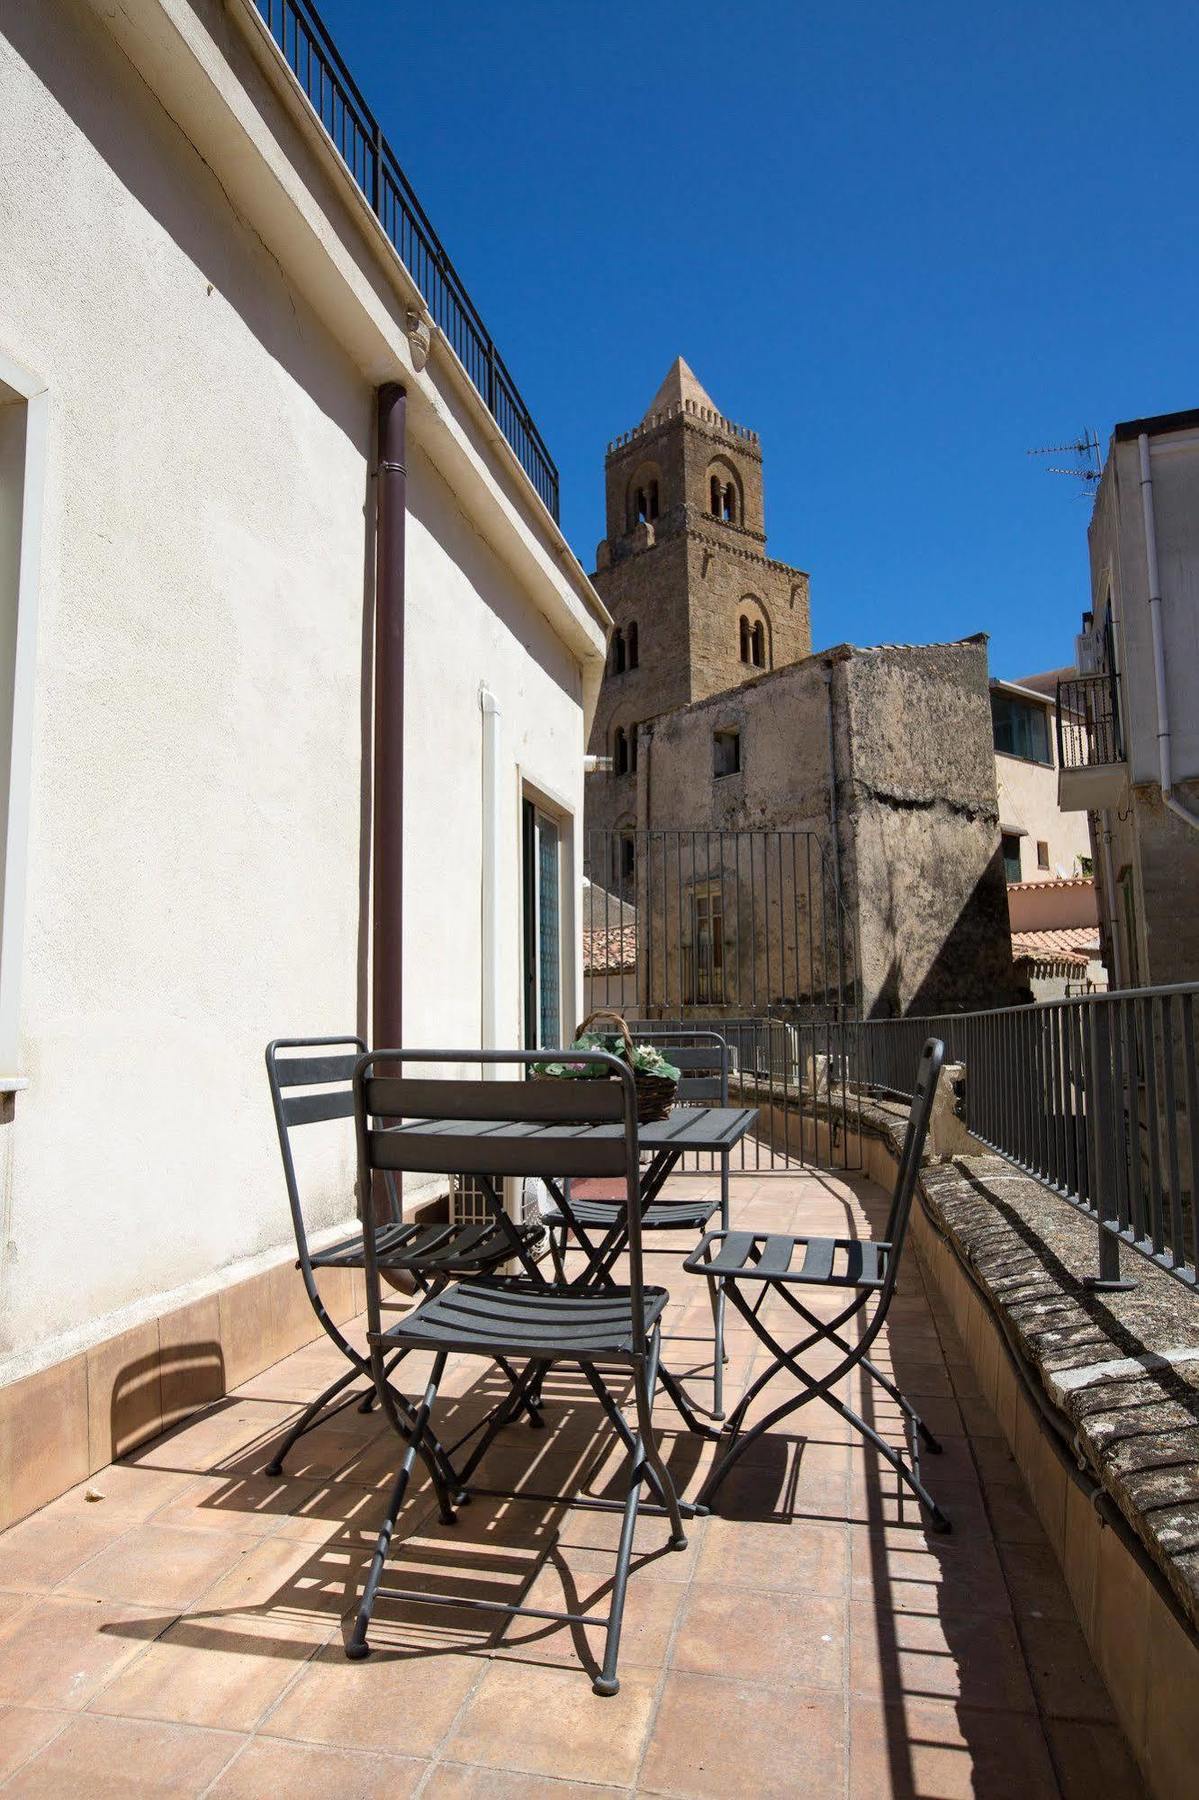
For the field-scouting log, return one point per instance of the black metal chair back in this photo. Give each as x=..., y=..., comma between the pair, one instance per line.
x=924, y=1091
x=701, y=1057
x=497, y=1128
x=311, y=1082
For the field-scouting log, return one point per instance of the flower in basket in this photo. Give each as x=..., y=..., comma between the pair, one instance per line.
x=645, y=1060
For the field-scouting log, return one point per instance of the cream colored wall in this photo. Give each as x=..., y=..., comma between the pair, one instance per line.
x=197, y=876
x=1028, y=799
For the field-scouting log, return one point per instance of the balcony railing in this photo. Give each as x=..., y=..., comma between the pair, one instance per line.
x=1097, y=1097
x=313, y=58
x=1088, y=722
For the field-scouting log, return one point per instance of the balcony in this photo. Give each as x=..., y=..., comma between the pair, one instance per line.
x=1092, y=768
x=308, y=49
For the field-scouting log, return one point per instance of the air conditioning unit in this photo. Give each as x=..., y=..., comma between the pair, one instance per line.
x=522, y=1199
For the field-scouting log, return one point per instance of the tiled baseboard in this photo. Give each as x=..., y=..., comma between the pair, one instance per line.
x=60, y=1425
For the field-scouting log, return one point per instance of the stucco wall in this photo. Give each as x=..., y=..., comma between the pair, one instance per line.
x=1027, y=793
x=197, y=855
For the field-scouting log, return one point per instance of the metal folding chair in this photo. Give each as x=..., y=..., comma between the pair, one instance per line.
x=865, y=1268
x=515, y=1128
x=430, y=1254
x=702, y=1059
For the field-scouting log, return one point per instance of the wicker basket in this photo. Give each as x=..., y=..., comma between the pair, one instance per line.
x=655, y=1093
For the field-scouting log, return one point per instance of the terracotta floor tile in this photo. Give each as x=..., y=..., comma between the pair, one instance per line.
x=48, y=1546
x=764, y=1554
x=270, y=1767
x=651, y=1612
x=107, y=1759
x=197, y=1674
x=400, y=1704
x=61, y=1652
x=23, y=1731
x=460, y=1781
x=1034, y=1579
x=1064, y=1676
x=928, y=1747
x=778, y=1639
x=1093, y=1760
x=718, y=1739
x=547, y=1721
x=977, y=1661
x=158, y=1565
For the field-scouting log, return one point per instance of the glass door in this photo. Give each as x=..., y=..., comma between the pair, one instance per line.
x=542, y=929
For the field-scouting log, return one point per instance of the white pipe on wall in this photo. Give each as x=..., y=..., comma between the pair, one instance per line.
x=1159, y=652
x=490, y=934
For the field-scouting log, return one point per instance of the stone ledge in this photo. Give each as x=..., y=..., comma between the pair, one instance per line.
x=1120, y=1369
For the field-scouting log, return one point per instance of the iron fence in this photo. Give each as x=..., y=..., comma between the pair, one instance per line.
x=742, y=931
x=1096, y=1096
x=335, y=97
x=1088, y=722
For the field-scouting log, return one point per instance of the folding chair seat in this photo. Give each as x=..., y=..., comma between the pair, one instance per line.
x=865, y=1270
x=431, y=1254
x=520, y=1318
x=515, y=1128
x=702, y=1058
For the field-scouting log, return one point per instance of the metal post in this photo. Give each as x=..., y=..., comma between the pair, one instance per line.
x=1099, y=1123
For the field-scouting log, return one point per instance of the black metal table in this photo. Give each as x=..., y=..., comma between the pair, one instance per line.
x=715, y=1130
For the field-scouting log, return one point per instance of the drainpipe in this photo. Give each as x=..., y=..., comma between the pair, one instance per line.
x=387, y=938
x=489, y=1037
x=1159, y=653
x=1109, y=893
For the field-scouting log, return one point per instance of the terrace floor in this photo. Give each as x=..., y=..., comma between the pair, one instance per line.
x=175, y=1626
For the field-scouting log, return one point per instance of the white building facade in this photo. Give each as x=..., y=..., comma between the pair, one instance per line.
x=198, y=311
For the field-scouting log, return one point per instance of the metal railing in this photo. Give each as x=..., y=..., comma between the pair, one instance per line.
x=316, y=63
x=1097, y=1097
x=1088, y=722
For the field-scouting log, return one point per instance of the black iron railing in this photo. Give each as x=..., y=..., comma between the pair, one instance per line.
x=1088, y=722
x=1098, y=1097
x=314, y=60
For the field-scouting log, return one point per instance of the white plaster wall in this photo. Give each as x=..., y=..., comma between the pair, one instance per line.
x=196, y=877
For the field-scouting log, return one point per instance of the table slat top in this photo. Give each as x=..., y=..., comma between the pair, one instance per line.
x=686, y=1128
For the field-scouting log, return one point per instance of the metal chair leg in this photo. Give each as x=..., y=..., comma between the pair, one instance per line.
x=358, y=1648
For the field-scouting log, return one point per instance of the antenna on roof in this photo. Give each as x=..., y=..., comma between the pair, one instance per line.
x=1088, y=466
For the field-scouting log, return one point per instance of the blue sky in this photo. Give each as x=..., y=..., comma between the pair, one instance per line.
x=904, y=243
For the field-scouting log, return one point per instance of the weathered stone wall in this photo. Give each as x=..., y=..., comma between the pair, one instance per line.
x=921, y=827
x=922, y=875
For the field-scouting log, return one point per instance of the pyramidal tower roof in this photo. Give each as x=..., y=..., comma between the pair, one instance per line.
x=679, y=386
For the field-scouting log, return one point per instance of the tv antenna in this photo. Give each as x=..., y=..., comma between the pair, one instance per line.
x=1087, y=466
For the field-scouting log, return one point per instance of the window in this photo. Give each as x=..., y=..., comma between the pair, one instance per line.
x=1011, y=855
x=627, y=858
x=726, y=749
x=624, y=750
x=542, y=929
x=757, y=647
x=707, y=946
x=618, y=652
x=744, y=639
x=630, y=643
x=1021, y=728
x=1042, y=854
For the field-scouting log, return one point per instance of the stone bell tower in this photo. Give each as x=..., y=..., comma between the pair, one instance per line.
x=698, y=606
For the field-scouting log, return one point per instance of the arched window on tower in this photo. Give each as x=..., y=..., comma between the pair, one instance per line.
x=653, y=501
x=618, y=652
x=620, y=751
x=630, y=640
x=745, y=639
x=716, y=493
x=758, y=645
x=728, y=503
x=642, y=505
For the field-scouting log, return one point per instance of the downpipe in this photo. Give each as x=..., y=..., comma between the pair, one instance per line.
x=1165, y=772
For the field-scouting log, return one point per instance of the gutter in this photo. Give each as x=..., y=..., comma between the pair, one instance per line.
x=1159, y=653
x=387, y=886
